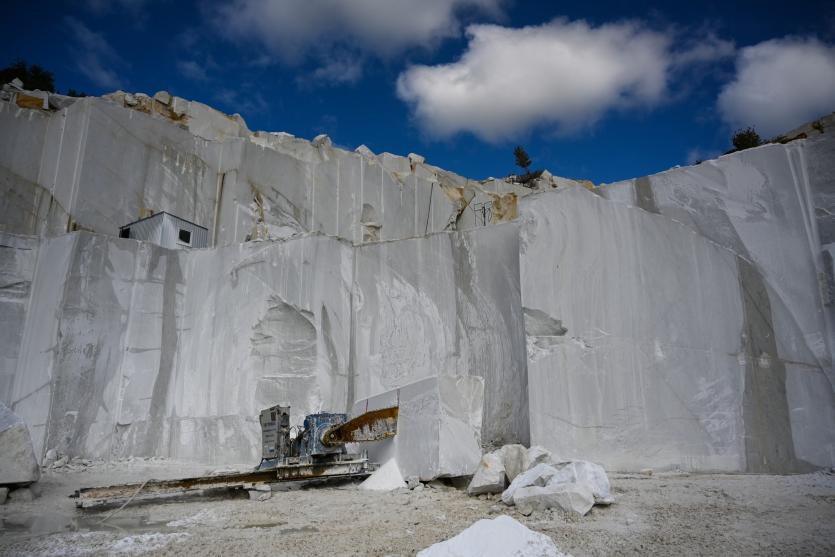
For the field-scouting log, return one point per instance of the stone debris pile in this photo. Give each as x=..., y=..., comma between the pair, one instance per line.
x=385, y=478
x=499, y=537
x=539, y=481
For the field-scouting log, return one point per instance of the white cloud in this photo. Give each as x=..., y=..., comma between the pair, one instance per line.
x=339, y=70
x=192, y=70
x=780, y=84
x=562, y=74
x=291, y=28
x=704, y=49
x=95, y=57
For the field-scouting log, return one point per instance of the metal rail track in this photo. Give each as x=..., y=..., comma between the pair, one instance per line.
x=153, y=489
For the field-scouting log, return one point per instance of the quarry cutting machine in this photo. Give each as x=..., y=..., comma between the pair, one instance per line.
x=315, y=451
x=321, y=442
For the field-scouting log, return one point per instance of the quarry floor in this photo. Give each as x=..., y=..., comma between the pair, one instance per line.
x=661, y=514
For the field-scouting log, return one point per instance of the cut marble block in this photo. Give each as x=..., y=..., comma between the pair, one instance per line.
x=445, y=304
x=438, y=429
x=17, y=459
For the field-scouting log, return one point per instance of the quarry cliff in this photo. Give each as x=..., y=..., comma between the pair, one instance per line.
x=680, y=320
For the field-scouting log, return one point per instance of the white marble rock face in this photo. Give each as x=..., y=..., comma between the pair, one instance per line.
x=667, y=325
x=438, y=427
x=681, y=320
x=445, y=304
x=170, y=353
x=103, y=162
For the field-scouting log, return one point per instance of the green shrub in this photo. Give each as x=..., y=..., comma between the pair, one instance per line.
x=746, y=138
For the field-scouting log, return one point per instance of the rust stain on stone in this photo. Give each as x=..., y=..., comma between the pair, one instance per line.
x=504, y=207
x=370, y=426
x=28, y=101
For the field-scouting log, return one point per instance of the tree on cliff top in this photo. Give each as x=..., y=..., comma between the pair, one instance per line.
x=33, y=76
x=745, y=139
x=523, y=161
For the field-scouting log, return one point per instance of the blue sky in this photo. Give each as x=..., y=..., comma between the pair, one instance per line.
x=594, y=90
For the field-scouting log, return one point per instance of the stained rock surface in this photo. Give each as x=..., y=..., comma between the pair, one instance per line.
x=489, y=477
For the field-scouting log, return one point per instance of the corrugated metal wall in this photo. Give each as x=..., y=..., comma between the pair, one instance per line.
x=171, y=233
x=164, y=229
x=147, y=230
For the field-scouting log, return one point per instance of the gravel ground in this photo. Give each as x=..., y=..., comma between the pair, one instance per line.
x=662, y=514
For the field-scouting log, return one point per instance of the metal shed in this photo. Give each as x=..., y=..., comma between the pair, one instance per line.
x=168, y=231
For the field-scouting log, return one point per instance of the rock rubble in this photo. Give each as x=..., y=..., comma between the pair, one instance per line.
x=542, y=481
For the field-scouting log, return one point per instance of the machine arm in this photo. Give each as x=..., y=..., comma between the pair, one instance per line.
x=371, y=426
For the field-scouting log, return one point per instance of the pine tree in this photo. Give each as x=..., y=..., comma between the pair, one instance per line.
x=523, y=161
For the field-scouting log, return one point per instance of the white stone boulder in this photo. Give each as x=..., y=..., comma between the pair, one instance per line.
x=365, y=151
x=414, y=159
x=163, y=96
x=322, y=140
x=385, y=478
x=515, y=460
x=18, y=464
x=573, y=486
x=538, y=476
x=538, y=455
x=589, y=474
x=499, y=537
x=570, y=497
x=179, y=106
x=489, y=477
x=438, y=426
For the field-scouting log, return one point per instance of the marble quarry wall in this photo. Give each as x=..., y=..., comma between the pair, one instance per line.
x=100, y=163
x=117, y=356
x=681, y=320
x=17, y=268
x=450, y=304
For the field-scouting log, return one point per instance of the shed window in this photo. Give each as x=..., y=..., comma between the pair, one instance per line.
x=185, y=236
x=124, y=232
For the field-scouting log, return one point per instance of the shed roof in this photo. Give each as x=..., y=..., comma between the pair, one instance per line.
x=163, y=213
